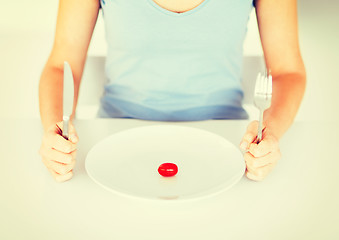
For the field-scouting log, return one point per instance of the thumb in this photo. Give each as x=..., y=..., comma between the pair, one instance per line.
x=250, y=135
x=73, y=136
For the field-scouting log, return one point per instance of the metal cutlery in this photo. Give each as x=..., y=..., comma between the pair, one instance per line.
x=68, y=98
x=262, y=97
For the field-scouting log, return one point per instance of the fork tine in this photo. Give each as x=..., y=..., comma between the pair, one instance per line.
x=257, y=83
x=262, y=84
x=266, y=88
x=269, y=84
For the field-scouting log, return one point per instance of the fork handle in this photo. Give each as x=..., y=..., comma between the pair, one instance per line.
x=259, y=137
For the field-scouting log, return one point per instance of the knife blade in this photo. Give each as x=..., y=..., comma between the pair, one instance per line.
x=68, y=98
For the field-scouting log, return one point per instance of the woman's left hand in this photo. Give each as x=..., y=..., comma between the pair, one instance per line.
x=260, y=158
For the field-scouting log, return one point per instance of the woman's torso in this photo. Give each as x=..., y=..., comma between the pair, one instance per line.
x=163, y=65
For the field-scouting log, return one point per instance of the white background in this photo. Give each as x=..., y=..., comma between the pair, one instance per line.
x=27, y=31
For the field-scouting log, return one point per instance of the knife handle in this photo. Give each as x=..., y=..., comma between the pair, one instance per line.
x=65, y=130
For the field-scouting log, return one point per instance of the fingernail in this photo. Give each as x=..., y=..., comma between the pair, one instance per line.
x=243, y=145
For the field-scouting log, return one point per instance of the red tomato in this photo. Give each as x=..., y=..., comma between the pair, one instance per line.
x=168, y=169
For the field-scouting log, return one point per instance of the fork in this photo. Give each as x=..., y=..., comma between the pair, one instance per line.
x=262, y=97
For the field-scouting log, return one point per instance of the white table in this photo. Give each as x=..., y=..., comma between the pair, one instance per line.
x=299, y=200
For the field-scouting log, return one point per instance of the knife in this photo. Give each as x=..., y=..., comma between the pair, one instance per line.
x=68, y=98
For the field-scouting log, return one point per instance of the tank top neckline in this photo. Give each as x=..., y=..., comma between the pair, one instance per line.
x=174, y=14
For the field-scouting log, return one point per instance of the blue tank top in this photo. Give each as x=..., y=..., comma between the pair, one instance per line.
x=168, y=66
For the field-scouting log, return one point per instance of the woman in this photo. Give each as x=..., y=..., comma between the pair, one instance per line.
x=175, y=61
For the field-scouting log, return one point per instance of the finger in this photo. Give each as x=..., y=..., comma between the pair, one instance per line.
x=253, y=177
x=253, y=162
x=250, y=135
x=70, y=157
x=267, y=145
x=55, y=155
x=59, y=143
x=259, y=174
x=73, y=136
x=59, y=168
x=54, y=139
x=60, y=178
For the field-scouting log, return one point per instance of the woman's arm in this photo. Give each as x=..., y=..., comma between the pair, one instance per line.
x=75, y=23
x=278, y=28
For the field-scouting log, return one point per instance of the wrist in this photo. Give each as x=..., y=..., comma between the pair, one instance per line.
x=275, y=126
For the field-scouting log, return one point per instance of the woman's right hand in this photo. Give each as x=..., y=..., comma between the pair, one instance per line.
x=58, y=154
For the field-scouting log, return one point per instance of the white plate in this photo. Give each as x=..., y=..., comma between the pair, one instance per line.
x=127, y=162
